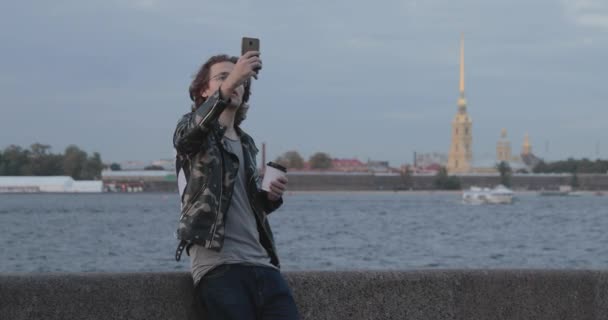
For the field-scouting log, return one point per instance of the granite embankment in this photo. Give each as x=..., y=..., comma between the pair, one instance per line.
x=433, y=294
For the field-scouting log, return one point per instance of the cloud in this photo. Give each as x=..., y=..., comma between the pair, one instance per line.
x=588, y=13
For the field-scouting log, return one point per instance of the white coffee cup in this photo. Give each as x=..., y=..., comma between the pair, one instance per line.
x=273, y=171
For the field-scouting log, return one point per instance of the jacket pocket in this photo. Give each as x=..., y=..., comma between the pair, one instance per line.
x=192, y=200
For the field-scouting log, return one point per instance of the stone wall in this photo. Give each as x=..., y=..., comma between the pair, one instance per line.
x=433, y=295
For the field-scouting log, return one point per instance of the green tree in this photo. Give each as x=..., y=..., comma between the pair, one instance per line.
x=38, y=160
x=505, y=173
x=115, y=167
x=91, y=169
x=74, y=162
x=320, y=160
x=291, y=160
x=15, y=161
x=571, y=165
x=443, y=181
x=43, y=162
x=39, y=149
x=541, y=167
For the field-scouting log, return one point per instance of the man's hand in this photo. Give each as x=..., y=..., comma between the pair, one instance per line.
x=277, y=188
x=246, y=67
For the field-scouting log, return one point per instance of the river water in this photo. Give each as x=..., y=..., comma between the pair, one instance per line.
x=313, y=231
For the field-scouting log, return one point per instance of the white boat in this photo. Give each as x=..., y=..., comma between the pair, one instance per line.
x=498, y=195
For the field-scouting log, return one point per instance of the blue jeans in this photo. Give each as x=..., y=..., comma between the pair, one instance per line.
x=241, y=292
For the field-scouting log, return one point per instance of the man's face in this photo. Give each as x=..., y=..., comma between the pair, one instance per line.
x=218, y=73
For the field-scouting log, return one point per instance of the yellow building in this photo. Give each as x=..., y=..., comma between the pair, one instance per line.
x=461, y=154
x=526, y=148
x=526, y=160
x=503, y=148
x=460, y=157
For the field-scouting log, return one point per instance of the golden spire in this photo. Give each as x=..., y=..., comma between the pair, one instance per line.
x=462, y=102
x=503, y=133
x=462, y=64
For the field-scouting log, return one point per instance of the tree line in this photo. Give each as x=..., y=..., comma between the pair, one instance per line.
x=293, y=160
x=38, y=160
x=572, y=166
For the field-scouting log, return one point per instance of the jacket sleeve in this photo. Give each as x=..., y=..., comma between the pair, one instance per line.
x=194, y=126
x=268, y=205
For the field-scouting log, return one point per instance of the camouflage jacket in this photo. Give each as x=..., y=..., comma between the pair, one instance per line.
x=206, y=173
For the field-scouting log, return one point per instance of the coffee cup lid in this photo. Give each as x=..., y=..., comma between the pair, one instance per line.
x=276, y=166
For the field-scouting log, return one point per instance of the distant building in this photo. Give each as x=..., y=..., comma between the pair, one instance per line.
x=133, y=165
x=527, y=156
x=167, y=164
x=59, y=184
x=526, y=161
x=138, y=180
x=433, y=158
x=503, y=148
x=136, y=165
x=348, y=165
x=378, y=166
x=460, y=158
x=356, y=166
x=432, y=168
x=138, y=175
x=461, y=154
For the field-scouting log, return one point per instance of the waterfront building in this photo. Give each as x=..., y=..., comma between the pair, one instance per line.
x=57, y=184
x=348, y=165
x=503, y=148
x=525, y=161
x=461, y=154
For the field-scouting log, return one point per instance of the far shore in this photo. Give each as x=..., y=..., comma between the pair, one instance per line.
x=323, y=192
x=417, y=192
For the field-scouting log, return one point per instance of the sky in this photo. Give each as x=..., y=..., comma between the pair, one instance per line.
x=367, y=79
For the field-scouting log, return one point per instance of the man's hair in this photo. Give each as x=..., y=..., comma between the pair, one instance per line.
x=200, y=82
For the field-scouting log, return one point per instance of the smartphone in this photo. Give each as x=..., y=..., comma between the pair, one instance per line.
x=250, y=44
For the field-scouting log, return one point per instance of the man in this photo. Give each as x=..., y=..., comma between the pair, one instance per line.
x=223, y=225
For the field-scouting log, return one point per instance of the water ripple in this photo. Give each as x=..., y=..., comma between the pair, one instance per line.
x=389, y=231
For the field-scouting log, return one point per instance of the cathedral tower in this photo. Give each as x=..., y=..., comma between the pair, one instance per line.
x=461, y=154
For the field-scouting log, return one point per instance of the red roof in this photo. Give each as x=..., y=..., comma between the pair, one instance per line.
x=347, y=163
x=434, y=166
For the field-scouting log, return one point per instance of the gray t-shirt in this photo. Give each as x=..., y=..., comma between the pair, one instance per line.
x=242, y=239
